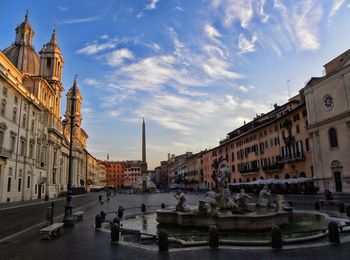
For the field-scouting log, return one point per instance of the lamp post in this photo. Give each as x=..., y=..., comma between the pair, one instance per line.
x=68, y=215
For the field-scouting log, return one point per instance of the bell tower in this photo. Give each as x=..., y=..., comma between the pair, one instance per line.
x=51, y=60
x=74, y=93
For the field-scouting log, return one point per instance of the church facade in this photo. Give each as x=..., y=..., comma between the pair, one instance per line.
x=328, y=106
x=34, y=141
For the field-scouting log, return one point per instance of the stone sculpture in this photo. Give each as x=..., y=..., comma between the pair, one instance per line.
x=181, y=202
x=263, y=199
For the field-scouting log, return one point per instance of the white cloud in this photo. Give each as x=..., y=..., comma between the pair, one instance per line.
x=245, y=89
x=94, y=48
x=104, y=37
x=238, y=10
x=114, y=113
x=337, y=4
x=152, y=5
x=211, y=31
x=154, y=46
x=80, y=20
x=245, y=45
x=62, y=8
x=91, y=82
x=301, y=22
x=117, y=57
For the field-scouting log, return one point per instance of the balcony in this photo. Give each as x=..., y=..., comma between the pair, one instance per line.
x=247, y=171
x=5, y=153
x=272, y=168
x=292, y=158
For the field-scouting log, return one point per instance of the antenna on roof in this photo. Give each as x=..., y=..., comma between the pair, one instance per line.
x=288, y=88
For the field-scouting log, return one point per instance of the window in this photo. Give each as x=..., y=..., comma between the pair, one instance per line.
x=24, y=121
x=297, y=129
x=32, y=126
x=9, y=184
x=13, y=143
x=31, y=149
x=19, y=184
x=3, y=107
x=28, y=181
x=23, y=147
x=333, y=139
x=307, y=144
x=14, y=115
x=1, y=138
x=4, y=92
x=16, y=100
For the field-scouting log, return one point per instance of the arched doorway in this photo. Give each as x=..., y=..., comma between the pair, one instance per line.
x=302, y=175
x=337, y=174
x=287, y=176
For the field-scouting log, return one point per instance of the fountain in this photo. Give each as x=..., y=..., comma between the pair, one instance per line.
x=227, y=212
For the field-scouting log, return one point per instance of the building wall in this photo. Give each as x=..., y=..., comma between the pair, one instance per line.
x=330, y=162
x=114, y=174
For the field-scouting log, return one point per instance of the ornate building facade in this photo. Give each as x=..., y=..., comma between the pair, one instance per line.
x=33, y=140
x=328, y=105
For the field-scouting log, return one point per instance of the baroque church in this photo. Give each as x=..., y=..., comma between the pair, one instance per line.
x=34, y=140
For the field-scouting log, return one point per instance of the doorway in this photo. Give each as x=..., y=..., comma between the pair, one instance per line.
x=338, y=182
x=39, y=191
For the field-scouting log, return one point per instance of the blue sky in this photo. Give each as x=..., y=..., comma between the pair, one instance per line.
x=195, y=70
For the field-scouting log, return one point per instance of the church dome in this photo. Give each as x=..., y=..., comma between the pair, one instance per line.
x=24, y=58
x=21, y=53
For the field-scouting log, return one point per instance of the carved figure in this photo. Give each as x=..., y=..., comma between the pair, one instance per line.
x=181, y=202
x=263, y=199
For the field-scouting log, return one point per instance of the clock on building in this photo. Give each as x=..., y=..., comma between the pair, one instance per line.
x=328, y=101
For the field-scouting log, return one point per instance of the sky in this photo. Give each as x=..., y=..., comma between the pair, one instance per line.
x=193, y=69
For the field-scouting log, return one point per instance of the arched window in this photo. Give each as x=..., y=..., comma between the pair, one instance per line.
x=302, y=174
x=287, y=176
x=261, y=178
x=248, y=179
x=234, y=180
x=333, y=139
x=14, y=115
x=240, y=180
x=3, y=107
x=254, y=179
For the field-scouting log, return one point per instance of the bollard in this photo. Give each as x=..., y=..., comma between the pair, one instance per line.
x=276, y=237
x=52, y=212
x=317, y=205
x=100, y=197
x=143, y=208
x=213, y=237
x=116, y=221
x=49, y=217
x=333, y=232
x=163, y=242
x=114, y=232
x=341, y=207
x=103, y=215
x=162, y=206
x=98, y=221
x=120, y=212
x=348, y=210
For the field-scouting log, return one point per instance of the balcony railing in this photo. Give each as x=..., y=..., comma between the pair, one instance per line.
x=272, y=168
x=5, y=152
x=292, y=158
x=243, y=171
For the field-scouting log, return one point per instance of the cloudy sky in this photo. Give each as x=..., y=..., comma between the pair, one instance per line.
x=195, y=70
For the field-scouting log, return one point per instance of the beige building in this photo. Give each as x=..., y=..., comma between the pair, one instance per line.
x=33, y=140
x=328, y=105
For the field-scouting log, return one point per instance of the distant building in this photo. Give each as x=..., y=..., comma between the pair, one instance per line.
x=114, y=174
x=328, y=106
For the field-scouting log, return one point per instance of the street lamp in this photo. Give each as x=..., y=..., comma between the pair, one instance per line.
x=68, y=215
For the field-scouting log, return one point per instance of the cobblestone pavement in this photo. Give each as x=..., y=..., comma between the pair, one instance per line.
x=83, y=242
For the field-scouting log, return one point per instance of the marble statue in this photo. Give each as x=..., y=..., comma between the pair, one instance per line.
x=181, y=202
x=263, y=199
x=242, y=202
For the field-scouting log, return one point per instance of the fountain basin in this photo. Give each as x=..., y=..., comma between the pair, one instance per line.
x=225, y=221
